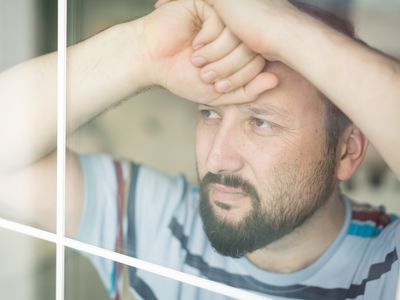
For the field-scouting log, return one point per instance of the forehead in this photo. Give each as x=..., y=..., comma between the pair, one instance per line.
x=295, y=96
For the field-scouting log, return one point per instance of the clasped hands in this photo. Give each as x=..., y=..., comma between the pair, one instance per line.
x=191, y=31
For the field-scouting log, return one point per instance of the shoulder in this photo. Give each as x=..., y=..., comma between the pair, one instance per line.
x=373, y=242
x=376, y=231
x=369, y=222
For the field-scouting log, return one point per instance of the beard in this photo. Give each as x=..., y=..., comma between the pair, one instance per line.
x=292, y=196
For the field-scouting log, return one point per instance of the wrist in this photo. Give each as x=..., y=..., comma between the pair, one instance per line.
x=105, y=69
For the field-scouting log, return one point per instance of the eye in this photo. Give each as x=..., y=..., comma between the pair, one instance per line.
x=209, y=114
x=260, y=124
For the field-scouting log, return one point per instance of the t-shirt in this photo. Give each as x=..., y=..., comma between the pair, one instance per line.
x=163, y=226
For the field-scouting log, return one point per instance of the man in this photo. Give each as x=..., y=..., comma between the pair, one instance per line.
x=269, y=158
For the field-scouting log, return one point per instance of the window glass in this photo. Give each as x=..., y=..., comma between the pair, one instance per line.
x=125, y=191
x=28, y=114
x=82, y=281
x=27, y=267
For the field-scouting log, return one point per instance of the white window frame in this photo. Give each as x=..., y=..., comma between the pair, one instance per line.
x=59, y=238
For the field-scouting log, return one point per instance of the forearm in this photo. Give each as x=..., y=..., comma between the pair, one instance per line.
x=361, y=82
x=101, y=71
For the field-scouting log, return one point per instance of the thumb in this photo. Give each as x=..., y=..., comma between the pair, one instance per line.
x=211, y=28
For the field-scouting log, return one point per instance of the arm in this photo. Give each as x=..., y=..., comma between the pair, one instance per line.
x=98, y=77
x=363, y=83
x=101, y=71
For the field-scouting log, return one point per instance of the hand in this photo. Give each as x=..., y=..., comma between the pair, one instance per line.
x=228, y=63
x=167, y=36
x=258, y=23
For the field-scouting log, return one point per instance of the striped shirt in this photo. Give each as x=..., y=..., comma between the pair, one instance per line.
x=162, y=226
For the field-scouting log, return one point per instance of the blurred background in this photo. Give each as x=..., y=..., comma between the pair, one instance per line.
x=156, y=128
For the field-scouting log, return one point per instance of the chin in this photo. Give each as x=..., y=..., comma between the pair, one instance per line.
x=230, y=215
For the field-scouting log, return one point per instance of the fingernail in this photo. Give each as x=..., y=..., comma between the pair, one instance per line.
x=209, y=76
x=198, y=61
x=223, y=86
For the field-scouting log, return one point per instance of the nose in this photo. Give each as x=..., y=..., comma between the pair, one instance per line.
x=224, y=156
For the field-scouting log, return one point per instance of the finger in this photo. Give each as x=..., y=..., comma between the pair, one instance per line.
x=228, y=65
x=261, y=83
x=225, y=43
x=250, y=92
x=211, y=28
x=241, y=77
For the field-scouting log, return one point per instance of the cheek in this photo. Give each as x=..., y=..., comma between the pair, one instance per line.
x=274, y=163
x=263, y=162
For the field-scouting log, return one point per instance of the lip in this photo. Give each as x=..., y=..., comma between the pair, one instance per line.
x=227, y=195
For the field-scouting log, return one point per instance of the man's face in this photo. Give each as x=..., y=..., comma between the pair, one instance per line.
x=264, y=168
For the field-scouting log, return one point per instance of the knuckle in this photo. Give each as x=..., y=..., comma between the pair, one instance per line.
x=257, y=64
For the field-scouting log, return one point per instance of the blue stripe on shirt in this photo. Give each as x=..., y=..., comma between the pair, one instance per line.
x=364, y=230
x=113, y=279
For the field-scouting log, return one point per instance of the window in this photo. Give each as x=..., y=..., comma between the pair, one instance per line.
x=93, y=248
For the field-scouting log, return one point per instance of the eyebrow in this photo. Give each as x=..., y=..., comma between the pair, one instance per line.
x=266, y=110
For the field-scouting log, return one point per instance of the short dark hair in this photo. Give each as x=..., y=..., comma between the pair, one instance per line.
x=335, y=121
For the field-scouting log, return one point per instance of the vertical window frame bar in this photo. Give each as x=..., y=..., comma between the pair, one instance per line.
x=61, y=144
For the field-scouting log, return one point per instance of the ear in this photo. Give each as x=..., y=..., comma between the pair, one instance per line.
x=352, y=148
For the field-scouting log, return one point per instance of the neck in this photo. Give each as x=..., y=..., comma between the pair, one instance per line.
x=306, y=243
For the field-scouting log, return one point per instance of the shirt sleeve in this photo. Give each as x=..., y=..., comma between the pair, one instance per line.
x=154, y=200
x=99, y=223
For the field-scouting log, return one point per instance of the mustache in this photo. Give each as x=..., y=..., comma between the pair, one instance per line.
x=230, y=180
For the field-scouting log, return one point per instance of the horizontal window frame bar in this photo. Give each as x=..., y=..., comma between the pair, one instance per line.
x=186, y=278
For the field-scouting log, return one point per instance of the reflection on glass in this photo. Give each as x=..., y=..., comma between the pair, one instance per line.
x=28, y=90
x=83, y=282
x=27, y=267
x=133, y=209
